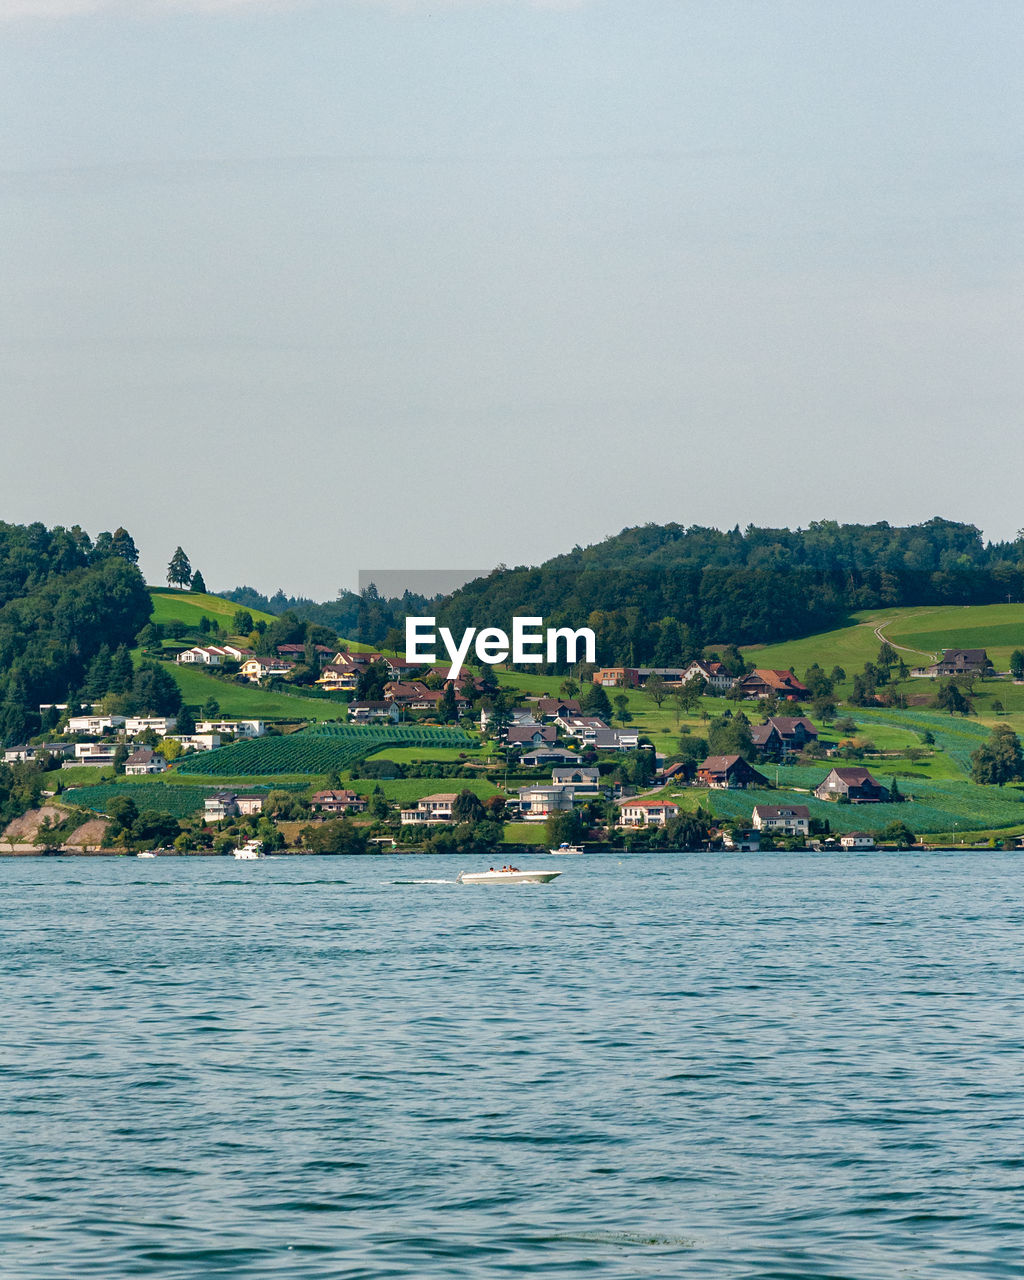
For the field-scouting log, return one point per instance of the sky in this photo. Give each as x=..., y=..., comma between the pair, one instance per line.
x=313, y=289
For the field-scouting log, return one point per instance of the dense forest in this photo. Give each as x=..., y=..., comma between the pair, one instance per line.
x=63, y=599
x=367, y=617
x=658, y=593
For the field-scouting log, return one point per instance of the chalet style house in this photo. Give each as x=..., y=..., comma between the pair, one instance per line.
x=767, y=683
x=728, y=773
x=961, y=662
x=854, y=782
x=787, y=819
x=337, y=802
x=781, y=736
x=713, y=673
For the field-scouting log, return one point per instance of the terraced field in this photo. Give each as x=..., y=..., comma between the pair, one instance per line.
x=319, y=750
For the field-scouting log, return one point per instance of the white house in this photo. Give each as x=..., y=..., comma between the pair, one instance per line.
x=583, y=781
x=857, y=840
x=161, y=725
x=206, y=655
x=789, y=819
x=196, y=741
x=95, y=752
x=236, y=728
x=537, y=803
x=255, y=669
x=14, y=755
x=95, y=724
x=649, y=812
x=365, y=711
x=144, y=761
x=431, y=809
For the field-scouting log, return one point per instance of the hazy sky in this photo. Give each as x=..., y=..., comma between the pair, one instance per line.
x=315, y=287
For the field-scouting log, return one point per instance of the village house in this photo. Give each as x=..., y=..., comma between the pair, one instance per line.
x=548, y=755
x=583, y=781
x=670, y=675
x=530, y=735
x=787, y=819
x=95, y=724
x=431, y=809
x=196, y=741
x=235, y=652
x=768, y=683
x=364, y=712
x=617, y=677
x=93, y=753
x=205, y=655
x=537, y=803
x=728, y=773
x=160, y=725
x=256, y=669
x=337, y=679
x=227, y=804
x=718, y=679
x=961, y=662
x=144, y=761
x=518, y=716
x=23, y=752
x=551, y=708
x=234, y=728
x=297, y=653
x=780, y=736
x=857, y=840
x=615, y=739
x=649, y=812
x=854, y=782
x=337, y=802
x=741, y=841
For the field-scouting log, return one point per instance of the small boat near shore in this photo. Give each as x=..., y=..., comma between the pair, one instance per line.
x=250, y=851
x=564, y=848
x=506, y=877
x=146, y=853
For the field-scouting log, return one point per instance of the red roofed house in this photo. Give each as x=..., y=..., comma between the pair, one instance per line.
x=337, y=802
x=767, y=683
x=727, y=773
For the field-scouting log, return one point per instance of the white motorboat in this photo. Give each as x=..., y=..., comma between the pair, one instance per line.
x=566, y=848
x=146, y=853
x=506, y=877
x=250, y=851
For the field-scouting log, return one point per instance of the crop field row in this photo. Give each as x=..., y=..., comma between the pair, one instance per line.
x=179, y=802
x=956, y=737
x=317, y=750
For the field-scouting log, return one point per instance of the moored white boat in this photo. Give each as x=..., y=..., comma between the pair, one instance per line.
x=506, y=877
x=146, y=853
x=250, y=851
x=566, y=848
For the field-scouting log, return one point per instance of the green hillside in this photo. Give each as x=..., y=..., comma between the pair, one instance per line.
x=191, y=606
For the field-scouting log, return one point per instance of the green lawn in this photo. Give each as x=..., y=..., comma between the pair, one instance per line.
x=248, y=700
x=191, y=606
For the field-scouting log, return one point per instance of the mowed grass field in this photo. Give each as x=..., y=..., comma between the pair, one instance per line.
x=191, y=607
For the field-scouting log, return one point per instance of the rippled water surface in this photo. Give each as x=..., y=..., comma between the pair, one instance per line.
x=658, y=1066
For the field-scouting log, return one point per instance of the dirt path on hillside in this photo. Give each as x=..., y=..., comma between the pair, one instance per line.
x=884, y=639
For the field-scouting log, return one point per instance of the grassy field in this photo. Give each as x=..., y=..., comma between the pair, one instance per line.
x=191, y=607
x=247, y=700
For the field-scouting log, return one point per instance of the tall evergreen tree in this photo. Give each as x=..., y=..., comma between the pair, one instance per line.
x=179, y=571
x=122, y=671
x=197, y=583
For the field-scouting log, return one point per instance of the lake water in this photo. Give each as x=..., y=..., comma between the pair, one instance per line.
x=659, y=1066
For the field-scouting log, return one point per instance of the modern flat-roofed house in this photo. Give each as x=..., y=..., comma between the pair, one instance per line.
x=14, y=755
x=237, y=728
x=728, y=773
x=670, y=675
x=536, y=803
x=766, y=683
x=221, y=805
x=549, y=755
x=197, y=741
x=95, y=724
x=790, y=819
x=649, y=812
x=161, y=725
x=615, y=739
x=961, y=662
x=95, y=753
x=337, y=802
x=431, y=809
x=852, y=781
x=618, y=677
x=144, y=761
x=857, y=840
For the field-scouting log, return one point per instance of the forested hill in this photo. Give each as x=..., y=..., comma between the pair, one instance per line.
x=657, y=593
x=62, y=597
